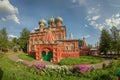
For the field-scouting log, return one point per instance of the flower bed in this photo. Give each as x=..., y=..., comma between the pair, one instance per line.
x=80, y=69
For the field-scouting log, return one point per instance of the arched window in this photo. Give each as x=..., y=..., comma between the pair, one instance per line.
x=66, y=47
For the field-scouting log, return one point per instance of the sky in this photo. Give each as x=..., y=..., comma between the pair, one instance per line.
x=82, y=18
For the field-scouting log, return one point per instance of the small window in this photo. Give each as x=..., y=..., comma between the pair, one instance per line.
x=59, y=36
x=66, y=48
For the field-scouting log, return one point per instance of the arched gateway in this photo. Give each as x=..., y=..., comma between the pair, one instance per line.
x=47, y=55
x=46, y=52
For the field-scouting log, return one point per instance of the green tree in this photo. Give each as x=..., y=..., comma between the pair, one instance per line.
x=3, y=39
x=80, y=43
x=115, y=37
x=24, y=39
x=105, y=41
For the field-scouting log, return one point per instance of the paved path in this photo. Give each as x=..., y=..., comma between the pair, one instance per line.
x=100, y=65
x=14, y=57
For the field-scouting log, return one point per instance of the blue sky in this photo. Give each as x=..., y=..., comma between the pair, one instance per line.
x=82, y=18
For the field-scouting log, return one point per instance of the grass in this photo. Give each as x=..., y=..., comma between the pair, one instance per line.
x=81, y=60
x=10, y=70
x=26, y=57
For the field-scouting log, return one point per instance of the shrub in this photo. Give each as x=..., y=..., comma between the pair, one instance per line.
x=80, y=69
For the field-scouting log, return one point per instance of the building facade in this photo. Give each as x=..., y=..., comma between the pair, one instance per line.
x=50, y=43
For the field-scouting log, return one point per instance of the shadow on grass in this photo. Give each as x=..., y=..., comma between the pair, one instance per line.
x=1, y=74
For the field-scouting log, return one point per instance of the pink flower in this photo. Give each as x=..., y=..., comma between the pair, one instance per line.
x=81, y=68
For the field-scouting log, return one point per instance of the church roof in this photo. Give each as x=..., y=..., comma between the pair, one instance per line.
x=59, y=19
x=42, y=21
x=51, y=20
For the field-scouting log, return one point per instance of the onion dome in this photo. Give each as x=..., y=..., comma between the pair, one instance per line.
x=59, y=19
x=41, y=24
x=51, y=20
x=42, y=21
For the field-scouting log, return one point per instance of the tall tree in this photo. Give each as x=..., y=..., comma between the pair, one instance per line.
x=115, y=37
x=24, y=39
x=105, y=41
x=3, y=39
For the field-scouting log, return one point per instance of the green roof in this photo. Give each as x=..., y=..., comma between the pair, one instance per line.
x=51, y=20
x=43, y=21
x=59, y=19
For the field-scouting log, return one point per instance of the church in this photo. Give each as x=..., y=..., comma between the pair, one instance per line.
x=49, y=43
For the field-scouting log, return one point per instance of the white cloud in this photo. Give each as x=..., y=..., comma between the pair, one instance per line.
x=14, y=18
x=113, y=21
x=101, y=27
x=86, y=25
x=95, y=17
x=12, y=36
x=93, y=10
x=3, y=19
x=118, y=15
x=8, y=11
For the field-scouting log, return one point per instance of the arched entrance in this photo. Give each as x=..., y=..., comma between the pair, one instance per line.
x=47, y=56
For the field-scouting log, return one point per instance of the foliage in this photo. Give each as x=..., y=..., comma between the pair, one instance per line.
x=27, y=57
x=81, y=60
x=24, y=39
x=110, y=41
x=17, y=71
x=105, y=41
x=3, y=39
x=115, y=38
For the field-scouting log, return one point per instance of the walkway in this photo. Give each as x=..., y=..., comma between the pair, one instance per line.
x=15, y=58
x=100, y=65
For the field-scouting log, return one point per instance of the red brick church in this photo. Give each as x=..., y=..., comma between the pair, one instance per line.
x=50, y=43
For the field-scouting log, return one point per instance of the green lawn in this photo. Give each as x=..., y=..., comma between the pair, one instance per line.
x=27, y=57
x=81, y=60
